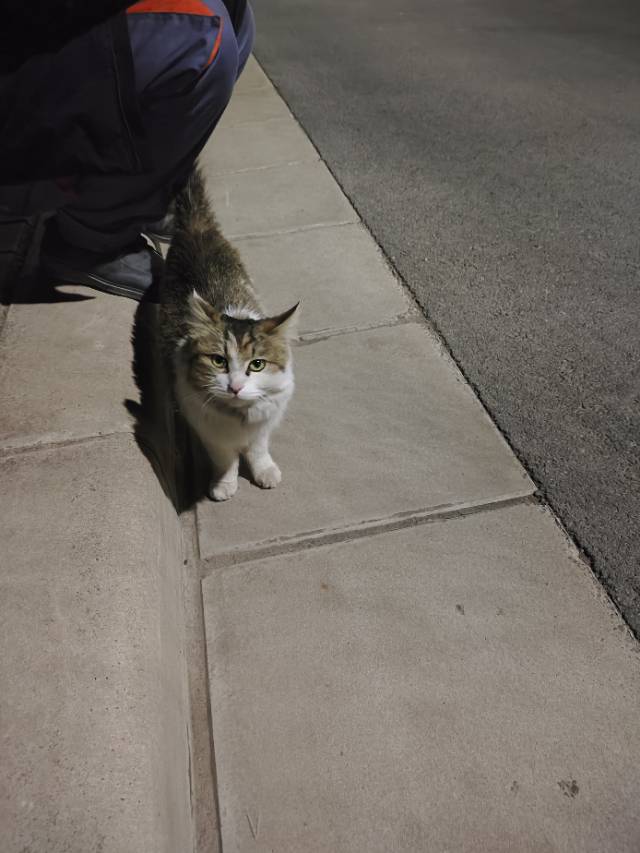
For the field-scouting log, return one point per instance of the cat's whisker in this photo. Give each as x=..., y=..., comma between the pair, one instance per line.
x=208, y=400
x=192, y=396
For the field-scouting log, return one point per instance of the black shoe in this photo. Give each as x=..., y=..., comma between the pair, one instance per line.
x=162, y=230
x=129, y=272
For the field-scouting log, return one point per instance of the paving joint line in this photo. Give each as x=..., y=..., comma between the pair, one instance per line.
x=363, y=530
x=407, y=318
x=189, y=522
x=7, y=453
x=249, y=169
x=231, y=124
x=240, y=91
x=272, y=166
x=205, y=789
x=255, y=235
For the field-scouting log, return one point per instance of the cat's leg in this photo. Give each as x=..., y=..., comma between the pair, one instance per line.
x=224, y=456
x=264, y=470
x=224, y=483
x=224, y=461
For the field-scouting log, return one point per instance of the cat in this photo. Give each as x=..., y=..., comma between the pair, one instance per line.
x=231, y=365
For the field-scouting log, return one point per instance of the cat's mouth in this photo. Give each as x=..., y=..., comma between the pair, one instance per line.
x=238, y=402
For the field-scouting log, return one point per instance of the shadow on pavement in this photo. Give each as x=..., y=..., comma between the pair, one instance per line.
x=21, y=282
x=34, y=288
x=173, y=451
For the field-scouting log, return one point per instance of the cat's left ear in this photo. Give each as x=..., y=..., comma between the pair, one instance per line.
x=284, y=324
x=201, y=310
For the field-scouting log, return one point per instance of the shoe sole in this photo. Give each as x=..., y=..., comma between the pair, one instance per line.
x=161, y=238
x=63, y=275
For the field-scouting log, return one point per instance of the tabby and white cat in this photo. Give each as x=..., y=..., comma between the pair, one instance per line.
x=232, y=366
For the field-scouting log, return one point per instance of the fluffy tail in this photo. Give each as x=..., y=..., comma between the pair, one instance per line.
x=193, y=211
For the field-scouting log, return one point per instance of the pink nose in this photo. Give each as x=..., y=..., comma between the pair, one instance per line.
x=236, y=387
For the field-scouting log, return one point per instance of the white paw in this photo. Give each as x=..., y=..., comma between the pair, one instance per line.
x=222, y=491
x=268, y=478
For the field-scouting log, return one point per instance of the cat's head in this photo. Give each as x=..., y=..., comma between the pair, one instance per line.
x=236, y=360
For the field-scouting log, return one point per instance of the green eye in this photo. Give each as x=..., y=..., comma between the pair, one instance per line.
x=257, y=364
x=218, y=361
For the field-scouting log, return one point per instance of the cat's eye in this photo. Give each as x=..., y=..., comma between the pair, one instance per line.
x=218, y=361
x=257, y=364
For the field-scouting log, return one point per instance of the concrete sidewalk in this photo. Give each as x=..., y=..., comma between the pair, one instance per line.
x=396, y=650
x=94, y=754
x=405, y=652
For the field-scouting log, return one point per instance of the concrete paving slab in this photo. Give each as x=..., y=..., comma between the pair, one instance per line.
x=339, y=274
x=252, y=78
x=284, y=198
x=65, y=369
x=94, y=753
x=261, y=104
x=381, y=426
x=255, y=146
x=460, y=686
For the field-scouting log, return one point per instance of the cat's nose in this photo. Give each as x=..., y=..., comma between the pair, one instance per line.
x=236, y=387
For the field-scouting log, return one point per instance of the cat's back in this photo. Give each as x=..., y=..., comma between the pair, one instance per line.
x=206, y=262
x=201, y=259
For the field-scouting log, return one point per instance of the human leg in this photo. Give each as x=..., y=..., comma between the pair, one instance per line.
x=186, y=66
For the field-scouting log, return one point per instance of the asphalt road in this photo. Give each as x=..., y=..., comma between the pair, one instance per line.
x=493, y=149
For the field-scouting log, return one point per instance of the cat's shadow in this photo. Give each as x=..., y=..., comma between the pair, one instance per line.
x=172, y=449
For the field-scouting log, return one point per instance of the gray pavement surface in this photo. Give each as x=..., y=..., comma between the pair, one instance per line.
x=404, y=651
x=94, y=754
x=493, y=148
x=401, y=693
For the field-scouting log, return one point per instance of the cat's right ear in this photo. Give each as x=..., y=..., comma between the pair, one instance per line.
x=284, y=323
x=201, y=310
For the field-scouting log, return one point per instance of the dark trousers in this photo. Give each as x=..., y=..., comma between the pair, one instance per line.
x=185, y=69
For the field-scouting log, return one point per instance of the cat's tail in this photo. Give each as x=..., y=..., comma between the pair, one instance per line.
x=193, y=212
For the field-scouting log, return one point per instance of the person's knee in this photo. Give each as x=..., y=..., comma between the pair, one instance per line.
x=185, y=68
x=182, y=55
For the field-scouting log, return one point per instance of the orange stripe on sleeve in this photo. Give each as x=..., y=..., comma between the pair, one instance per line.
x=216, y=45
x=183, y=7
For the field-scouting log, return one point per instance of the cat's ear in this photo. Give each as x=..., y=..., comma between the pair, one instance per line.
x=283, y=324
x=202, y=311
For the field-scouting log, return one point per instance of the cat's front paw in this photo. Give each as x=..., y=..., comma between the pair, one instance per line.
x=222, y=491
x=268, y=478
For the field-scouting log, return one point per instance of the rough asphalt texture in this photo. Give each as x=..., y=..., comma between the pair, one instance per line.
x=493, y=148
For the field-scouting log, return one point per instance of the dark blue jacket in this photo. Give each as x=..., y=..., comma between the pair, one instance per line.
x=73, y=112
